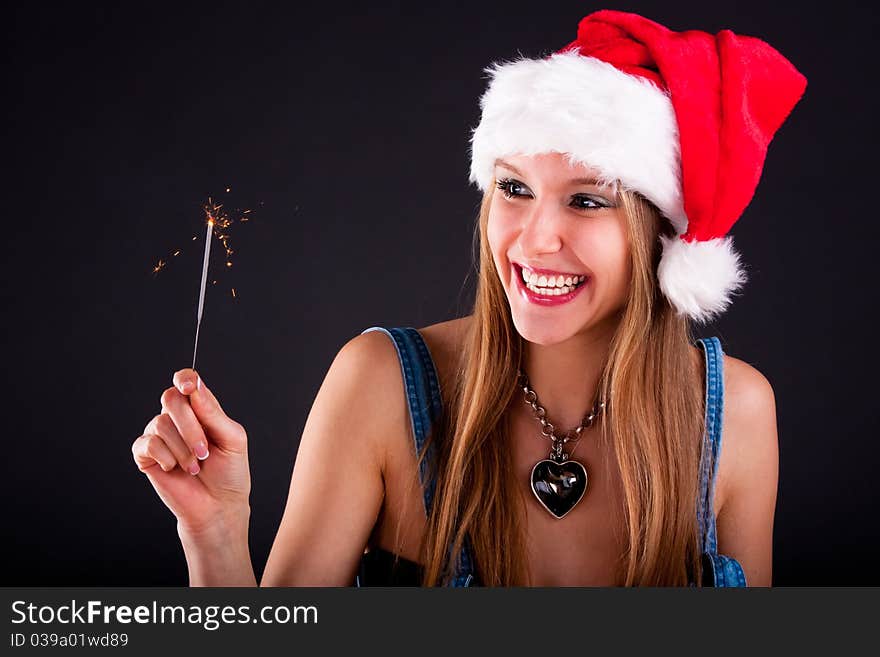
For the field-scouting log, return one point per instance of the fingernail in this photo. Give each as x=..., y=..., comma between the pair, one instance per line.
x=199, y=382
x=186, y=387
x=201, y=451
x=194, y=468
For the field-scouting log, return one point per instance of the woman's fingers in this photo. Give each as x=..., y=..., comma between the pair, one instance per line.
x=150, y=450
x=186, y=496
x=163, y=426
x=177, y=406
x=220, y=428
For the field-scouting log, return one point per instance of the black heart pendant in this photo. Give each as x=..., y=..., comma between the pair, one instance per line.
x=559, y=486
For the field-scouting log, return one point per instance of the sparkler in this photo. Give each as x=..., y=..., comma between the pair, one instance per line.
x=219, y=223
x=202, y=287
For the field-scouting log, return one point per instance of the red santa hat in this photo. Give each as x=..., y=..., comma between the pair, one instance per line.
x=684, y=118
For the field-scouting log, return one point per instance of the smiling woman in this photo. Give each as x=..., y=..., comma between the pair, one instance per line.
x=568, y=431
x=602, y=237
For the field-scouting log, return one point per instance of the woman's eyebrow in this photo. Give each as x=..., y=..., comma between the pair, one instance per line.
x=501, y=163
x=574, y=181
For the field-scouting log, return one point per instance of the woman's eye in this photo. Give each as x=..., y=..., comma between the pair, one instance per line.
x=505, y=185
x=593, y=203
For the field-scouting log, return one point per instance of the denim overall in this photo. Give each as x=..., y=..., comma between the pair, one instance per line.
x=425, y=404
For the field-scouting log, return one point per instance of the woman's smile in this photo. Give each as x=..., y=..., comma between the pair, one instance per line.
x=547, y=290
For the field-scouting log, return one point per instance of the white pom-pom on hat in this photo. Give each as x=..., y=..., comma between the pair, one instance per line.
x=700, y=278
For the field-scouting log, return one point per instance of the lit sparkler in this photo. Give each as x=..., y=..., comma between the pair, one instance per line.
x=222, y=225
x=202, y=287
x=218, y=223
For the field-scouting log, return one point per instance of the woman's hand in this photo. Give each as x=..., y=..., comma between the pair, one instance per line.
x=195, y=456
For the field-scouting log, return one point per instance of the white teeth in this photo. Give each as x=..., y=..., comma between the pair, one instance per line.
x=552, y=285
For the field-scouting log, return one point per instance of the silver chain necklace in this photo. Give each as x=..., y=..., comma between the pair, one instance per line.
x=558, y=482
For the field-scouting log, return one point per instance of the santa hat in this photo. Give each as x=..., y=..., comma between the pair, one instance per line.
x=684, y=118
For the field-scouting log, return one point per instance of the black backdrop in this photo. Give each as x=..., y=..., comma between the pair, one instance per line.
x=345, y=129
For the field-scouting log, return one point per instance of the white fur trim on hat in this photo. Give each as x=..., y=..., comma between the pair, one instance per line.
x=699, y=278
x=621, y=125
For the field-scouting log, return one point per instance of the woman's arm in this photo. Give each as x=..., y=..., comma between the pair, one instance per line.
x=749, y=469
x=337, y=487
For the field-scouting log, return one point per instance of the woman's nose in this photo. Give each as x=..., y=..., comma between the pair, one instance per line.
x=540, y=233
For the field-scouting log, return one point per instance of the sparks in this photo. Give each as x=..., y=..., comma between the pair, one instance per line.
x=221, y=221
x=219, y=224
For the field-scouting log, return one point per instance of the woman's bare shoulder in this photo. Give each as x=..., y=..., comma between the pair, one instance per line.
x=749, y=403
x=746, y=390
x=371, y=363
x=746, y=382
x=749, y=434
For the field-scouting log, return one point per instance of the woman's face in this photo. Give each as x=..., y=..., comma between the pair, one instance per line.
x=547, y=221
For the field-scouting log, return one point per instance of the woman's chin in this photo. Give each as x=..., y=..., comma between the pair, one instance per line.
x=542, y=333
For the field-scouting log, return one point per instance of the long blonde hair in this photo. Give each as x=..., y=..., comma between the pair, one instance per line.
x=654, y=423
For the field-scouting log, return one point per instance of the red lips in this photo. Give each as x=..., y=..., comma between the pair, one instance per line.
x=543, y=299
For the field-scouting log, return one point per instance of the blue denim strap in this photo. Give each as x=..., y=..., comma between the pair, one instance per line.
x=711, y=440
x=725, y=571
x=425, y=403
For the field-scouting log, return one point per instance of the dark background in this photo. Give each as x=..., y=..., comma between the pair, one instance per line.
x=345, y=129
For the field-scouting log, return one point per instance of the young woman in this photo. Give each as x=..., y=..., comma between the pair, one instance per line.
x=568, y=431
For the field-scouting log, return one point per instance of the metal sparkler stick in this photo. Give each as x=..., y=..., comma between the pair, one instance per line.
x=202, y=291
